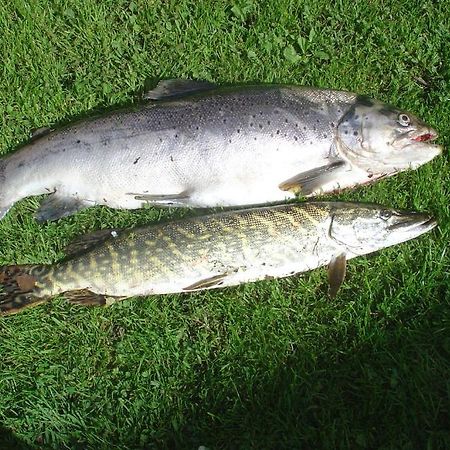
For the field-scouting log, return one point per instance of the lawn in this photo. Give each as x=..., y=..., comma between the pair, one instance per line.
x=275, y=364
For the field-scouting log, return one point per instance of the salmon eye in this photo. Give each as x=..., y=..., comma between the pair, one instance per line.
x=404, y=120
x=385, y=214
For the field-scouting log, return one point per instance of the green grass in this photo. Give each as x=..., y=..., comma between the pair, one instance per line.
x=274, y=364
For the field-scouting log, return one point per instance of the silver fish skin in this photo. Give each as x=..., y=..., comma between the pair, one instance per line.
x=223, y=147
x=212, y=251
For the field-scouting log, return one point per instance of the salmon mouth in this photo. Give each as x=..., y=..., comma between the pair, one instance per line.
x=429, y=136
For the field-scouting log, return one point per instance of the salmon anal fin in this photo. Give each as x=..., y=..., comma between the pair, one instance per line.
x=56, y=207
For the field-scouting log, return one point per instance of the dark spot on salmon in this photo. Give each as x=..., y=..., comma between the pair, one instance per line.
x=355, y=133
x=21, y=164
x=136, y=160
x=171, y=158
x=78, y=141
x=370, y=175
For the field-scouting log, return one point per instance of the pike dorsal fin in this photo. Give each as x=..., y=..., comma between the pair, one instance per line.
x=85, y=242
x=177, y=88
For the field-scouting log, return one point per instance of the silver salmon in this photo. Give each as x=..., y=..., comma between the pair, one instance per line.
x=212, y=251
x=196, y=145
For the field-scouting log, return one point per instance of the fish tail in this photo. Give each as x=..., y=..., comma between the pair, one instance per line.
x=4, y=207
x=19, y=288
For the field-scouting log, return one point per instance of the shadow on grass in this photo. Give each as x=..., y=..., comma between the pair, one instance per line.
x=390, y=391
x=8, y=441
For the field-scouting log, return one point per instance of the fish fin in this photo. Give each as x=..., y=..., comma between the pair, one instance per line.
x=336, y=273
x=216, y=280
x=164, y=199
x=85, y=297
x=39, y=132
x=4, y=210
x=177, y=88
x=56, y=206
x=306, y=183
x=4, y=207
x=85, y=242
x=17, y=284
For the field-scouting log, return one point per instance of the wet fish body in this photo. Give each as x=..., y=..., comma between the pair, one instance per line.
x=213, y=251
x=217, y=147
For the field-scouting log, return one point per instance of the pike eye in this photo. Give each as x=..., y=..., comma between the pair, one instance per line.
x=404, y=120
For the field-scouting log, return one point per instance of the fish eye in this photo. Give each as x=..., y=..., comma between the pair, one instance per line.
x=404, y=120
x=385, y=214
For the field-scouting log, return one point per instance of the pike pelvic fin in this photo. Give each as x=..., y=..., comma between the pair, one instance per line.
x=56, y=206
x=336, y=273
x=83, y=243
x=177, y=88
x=17, y=288
x=308, y=182
x=216, y=280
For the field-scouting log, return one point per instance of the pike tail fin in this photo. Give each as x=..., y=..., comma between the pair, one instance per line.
x=18, y=288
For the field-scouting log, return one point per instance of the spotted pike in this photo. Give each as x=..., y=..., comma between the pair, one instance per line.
x=196, y=145
x=213, y=251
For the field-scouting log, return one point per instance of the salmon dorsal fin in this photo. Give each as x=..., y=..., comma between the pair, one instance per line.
x=177, y=88
x=87, y=241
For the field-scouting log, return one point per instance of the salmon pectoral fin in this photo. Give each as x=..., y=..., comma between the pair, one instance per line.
x=308, y=182
x=206, y=283
x=87, y=241
x=86, y=297
x=177, y=88
x=18, y=288
x=336, y=273
x=55, y=207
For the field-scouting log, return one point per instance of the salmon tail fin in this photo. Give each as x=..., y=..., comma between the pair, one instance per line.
x=18, y=288
x=4, y=207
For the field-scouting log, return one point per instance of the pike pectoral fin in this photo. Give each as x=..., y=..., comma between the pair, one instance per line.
x=180, y=199
x=306, y=183
x=86, y=297
x=82, y=243
x=336, y=273
x=216, y=280
x=55, y=207
x=177, y=88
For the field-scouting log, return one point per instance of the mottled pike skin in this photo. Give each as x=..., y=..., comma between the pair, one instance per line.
x=217, y=250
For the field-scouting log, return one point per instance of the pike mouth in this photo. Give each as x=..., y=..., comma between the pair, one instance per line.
x=416, y=221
